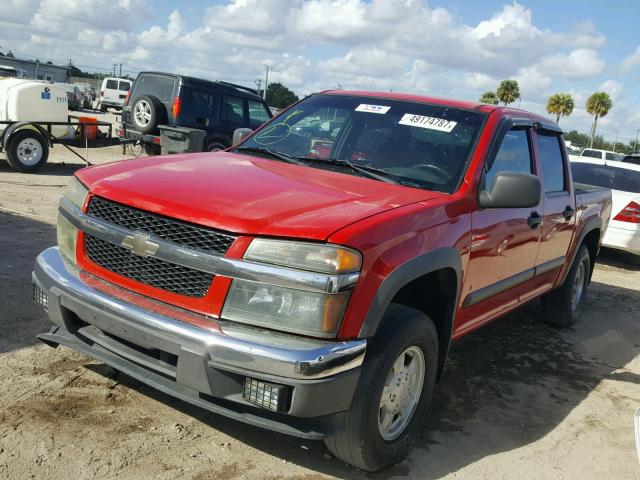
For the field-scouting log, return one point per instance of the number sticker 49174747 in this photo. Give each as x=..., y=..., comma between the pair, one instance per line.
x=431, y=123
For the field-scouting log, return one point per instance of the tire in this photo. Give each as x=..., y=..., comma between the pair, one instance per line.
x=27, y=150
x=103, y=108
x=562, y=306
x=362, y=444
x=214, y=146
x=151, y=149
x=147, y=113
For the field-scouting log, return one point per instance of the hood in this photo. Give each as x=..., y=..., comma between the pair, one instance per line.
x=247, y=195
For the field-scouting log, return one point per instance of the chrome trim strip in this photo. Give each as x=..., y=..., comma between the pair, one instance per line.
x=205, y=262
x=239, y=348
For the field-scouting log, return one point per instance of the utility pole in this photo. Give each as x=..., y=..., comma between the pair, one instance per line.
x=114, y=69
x=266, y=81
x=120, y=75
x=635, y=144
x=615, y=143
x=259, y=84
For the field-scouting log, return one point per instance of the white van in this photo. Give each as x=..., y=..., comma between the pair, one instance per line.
x=113, y=93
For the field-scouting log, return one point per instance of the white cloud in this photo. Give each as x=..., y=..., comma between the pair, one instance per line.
x=313, y=45
x=578, y=63
x=632, y=60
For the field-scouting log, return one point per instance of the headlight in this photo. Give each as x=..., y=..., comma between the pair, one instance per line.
x=305, y=256
x=67, y=239
x=286, y=309
x=75, y=192
x=67, y=233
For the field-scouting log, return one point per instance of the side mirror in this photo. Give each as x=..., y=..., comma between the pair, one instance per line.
x=512, y=190
x=239, y=134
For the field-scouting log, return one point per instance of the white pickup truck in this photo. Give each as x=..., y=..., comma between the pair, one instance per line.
x=600, y=154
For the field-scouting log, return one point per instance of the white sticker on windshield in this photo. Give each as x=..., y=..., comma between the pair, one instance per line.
x=431, y=123
x=363, y=107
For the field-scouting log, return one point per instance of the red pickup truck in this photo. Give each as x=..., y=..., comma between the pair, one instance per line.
x=310, y=279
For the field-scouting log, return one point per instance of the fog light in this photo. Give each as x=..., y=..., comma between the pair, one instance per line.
x=40, y=296
x=266, y=395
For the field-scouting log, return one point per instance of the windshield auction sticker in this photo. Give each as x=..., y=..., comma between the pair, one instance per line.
x=363, y=107
x=431, y=123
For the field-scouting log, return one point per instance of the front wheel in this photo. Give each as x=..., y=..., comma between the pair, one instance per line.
x=27, y=151
x=393, y=392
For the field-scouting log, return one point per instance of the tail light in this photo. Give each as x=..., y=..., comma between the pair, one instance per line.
x=102, y=93
x=175, y=108
x=126, y=99
x=630, y=213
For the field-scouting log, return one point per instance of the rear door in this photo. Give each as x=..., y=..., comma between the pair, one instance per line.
x=111, y=91
x=123, y=89
x=558, y=202
x=162, y=87
x=233, y=114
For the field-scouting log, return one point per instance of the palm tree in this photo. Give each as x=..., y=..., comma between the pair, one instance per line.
x=508, y=91
x=561, y=104
x=598, y=105
x=489, y=97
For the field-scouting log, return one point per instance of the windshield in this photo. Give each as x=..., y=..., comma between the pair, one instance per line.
x=416, y=144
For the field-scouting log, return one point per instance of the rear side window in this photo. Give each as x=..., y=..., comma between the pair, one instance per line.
x=257, y=113
x=551, y=162
x=112, y=84
x=124, y=86
x=514, y=155
x=200, y=102
x=606, y=176
x=156, y=86
x=591, y=154
x=613, y=156
x=233, y=109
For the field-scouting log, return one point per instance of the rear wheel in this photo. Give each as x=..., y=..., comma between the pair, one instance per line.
x=214, y=146
x=27, y=150
x=563, y=305
x=393, y=392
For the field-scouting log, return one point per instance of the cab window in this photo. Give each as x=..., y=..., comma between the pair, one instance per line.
x=551, y=163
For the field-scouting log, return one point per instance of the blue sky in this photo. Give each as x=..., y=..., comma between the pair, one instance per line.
x=454, y=48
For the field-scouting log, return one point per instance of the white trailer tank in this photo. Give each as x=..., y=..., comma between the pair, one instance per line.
x=33, y=101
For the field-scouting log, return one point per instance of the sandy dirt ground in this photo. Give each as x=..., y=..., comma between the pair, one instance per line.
x=519, y=399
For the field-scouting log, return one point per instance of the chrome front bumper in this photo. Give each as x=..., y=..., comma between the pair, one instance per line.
x=323, y=374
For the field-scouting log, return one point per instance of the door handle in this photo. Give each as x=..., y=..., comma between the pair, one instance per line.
x=568, y=213
x=534, y=220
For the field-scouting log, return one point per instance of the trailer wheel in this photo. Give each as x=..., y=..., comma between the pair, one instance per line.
x=27, y=150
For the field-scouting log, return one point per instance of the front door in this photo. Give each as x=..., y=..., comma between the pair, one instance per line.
x=504, y=242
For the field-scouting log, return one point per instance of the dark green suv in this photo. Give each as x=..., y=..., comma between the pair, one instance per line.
x=217, y=107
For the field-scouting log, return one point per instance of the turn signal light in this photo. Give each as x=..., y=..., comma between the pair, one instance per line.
x=630, y=213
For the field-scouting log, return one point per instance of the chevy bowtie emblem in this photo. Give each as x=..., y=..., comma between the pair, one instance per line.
x=140, y=244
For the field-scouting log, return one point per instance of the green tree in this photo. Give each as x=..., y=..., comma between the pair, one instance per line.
x=280, y=96
x=561, y=104
x=598, y=105
x=489, y=97
x=508, y=91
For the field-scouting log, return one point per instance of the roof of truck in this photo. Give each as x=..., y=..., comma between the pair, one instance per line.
x=465, y=104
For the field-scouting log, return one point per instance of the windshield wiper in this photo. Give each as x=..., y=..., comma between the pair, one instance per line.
x=272, y=153
x=370, y=172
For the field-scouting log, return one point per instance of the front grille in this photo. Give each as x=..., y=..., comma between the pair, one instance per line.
x=149, y=270
x=183, y=233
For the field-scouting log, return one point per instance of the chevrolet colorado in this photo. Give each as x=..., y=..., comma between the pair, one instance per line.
x=310, y=279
